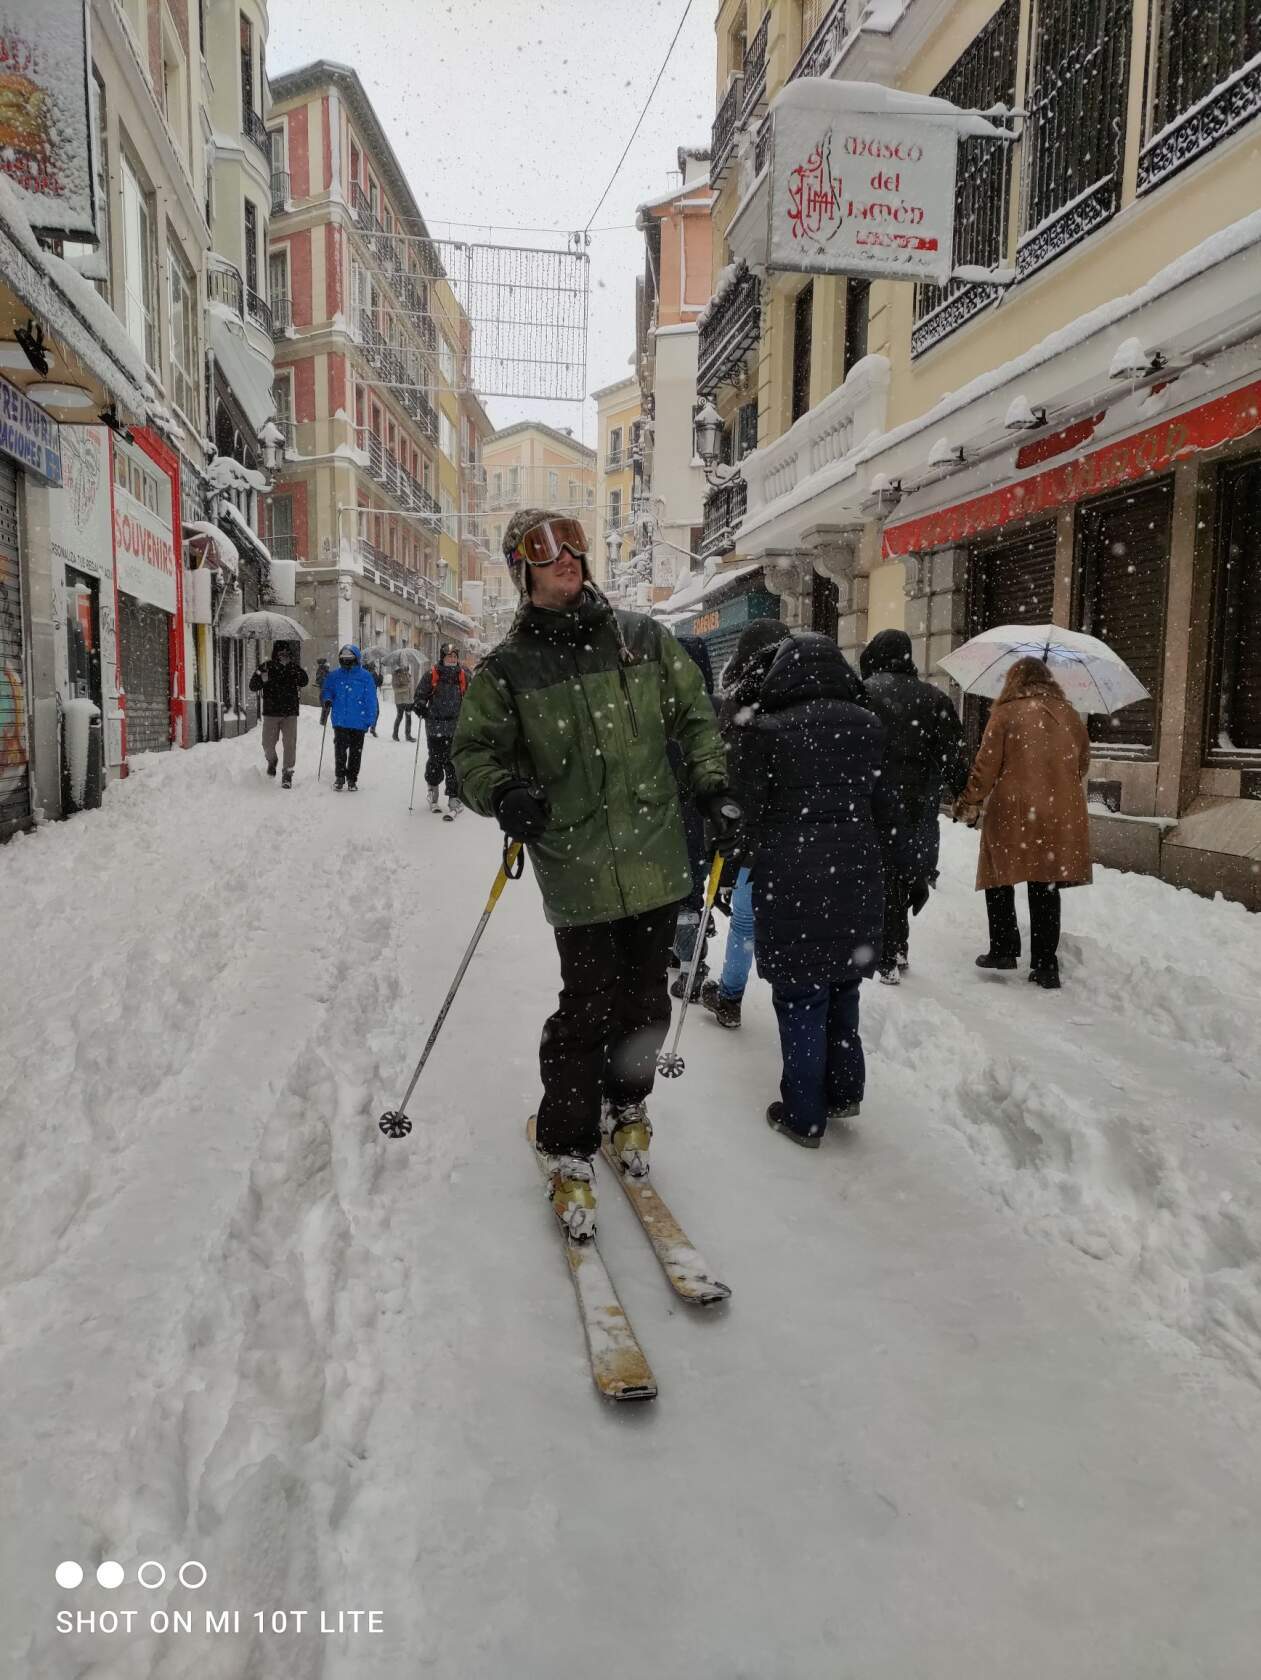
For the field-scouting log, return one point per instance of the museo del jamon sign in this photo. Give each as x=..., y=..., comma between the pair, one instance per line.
x=863, y=181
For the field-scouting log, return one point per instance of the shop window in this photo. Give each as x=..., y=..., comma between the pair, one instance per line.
x=1122, y=575
x=803, y=317
x=982, y=77
x=1236, y=715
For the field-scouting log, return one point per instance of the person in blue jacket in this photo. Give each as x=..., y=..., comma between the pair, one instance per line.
x=350, y=695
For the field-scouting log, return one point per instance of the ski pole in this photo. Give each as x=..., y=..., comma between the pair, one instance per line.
x=411, y=803
x=669, y=1062
x=394, y=1122
x=319, y=771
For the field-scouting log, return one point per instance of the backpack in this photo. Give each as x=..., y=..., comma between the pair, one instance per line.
x=433, y=678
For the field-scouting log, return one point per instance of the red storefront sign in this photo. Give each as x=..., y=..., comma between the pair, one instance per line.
x=1151, y=451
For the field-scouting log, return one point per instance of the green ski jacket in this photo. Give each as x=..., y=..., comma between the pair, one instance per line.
x=581, y=704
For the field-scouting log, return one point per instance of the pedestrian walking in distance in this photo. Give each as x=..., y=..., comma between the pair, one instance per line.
x=439, y=697
x=403, y=689
x=925, y=757
x=1029, y=772
x=278, y=680
x=377, y=681
x=350, y=697
x=808, y=768
x=563, y=739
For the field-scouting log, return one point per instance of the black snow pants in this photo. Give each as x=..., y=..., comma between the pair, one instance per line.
x=604, y=1038
x=347, y=753
x=1044, y=923
x=438, y=764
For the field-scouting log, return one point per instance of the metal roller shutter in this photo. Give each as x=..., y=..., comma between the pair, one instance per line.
x=1122, y=575
x=1009, y=582
x=15, y=770
x=145, y=659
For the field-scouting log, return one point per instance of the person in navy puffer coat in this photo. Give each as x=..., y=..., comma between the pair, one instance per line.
x=807, y=770
x=350, y=696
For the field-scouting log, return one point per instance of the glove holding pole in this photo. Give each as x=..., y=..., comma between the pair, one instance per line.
x=725, y=818
x=324, y=711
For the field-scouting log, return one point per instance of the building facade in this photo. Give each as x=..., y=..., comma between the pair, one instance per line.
x=372, y=382
x=1073, y=440
x=619, y=435
x=533, y=465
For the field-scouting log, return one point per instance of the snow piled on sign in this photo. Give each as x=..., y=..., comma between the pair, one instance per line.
x=815, y=93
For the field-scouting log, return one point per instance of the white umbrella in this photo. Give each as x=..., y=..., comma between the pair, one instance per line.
x=264, y=627
x=1094, y=678
x=402, y=656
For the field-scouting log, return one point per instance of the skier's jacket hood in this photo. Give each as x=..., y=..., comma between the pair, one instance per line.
x=351, y=693
x=581, y=703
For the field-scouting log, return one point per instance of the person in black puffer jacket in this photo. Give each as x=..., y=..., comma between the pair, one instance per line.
x=279, y=680
x=808, y=771
x=688, y=925
x=438, y=700
x=926, y=756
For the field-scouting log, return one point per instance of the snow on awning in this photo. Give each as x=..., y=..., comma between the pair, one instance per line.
x=212, y=546
x=244, y=533
x=248, y=373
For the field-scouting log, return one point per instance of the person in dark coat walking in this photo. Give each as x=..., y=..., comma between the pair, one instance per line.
x=439, y=697
x=688, y=927
x=808, y=772
x=278, y=679
x=350, y=695
x=925, y=756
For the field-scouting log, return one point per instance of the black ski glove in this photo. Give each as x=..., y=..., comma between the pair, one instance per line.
x=521, y=810
x=419, y=707
x=918, y=896
x=724, y=817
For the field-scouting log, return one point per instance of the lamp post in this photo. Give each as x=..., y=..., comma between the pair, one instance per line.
x=707, y=438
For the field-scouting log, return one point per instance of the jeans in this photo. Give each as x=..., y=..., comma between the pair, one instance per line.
x=1044, y=923
x=347, y=753
x=738, y=959
x=612, y=1020
x=287, y=729
x=403, y=712
x=823, y=1053
x=438, y=764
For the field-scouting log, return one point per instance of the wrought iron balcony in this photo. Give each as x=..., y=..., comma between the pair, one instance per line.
x=730, y=330
x=283, y=546
x=259, y=311
x=820, y=50
x=225, y=285
x=722, y=147
x=724, y=509
x=255, y=129
x=755, y=69
x=762, y=147
x=279, y=190
x=281, y=315
x=362, y=207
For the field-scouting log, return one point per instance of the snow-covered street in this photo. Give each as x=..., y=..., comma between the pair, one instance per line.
x=985, y=1401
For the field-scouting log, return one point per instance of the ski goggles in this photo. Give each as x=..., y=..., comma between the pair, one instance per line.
x=543, y=543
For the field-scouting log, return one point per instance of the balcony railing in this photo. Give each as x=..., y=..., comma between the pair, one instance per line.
x=615, y=462
x=282, y=546
x=362, y=207
x=281, y=315
x=724, y=509
x=821, y=49
x=729, y=331
x=259, y=311
x=225, y=285
x=762, y=147
x=755, y=68
x=393, y=476
x=723, y=140
x=255, y=129
x=279, y=190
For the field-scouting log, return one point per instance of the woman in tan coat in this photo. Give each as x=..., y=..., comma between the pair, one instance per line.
x=1029, y=772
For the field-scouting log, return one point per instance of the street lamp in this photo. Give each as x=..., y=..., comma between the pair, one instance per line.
x=707, y=434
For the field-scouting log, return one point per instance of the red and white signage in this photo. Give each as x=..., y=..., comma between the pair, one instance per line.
x=1137, y=456
x=147, y=559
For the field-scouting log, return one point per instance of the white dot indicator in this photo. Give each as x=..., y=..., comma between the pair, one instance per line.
x=151, y=1563
x=110, y=1575
x=192, y=1564
x=68, y=1574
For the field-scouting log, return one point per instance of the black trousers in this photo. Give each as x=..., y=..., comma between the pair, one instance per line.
x=896, y=939
x=347, y=753
x=403, y=710
x=1044, y=922
x=439, y=764
x=604, y=1038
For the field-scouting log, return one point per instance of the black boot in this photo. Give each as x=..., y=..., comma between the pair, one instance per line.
x=988, y=959
x=1046, y=975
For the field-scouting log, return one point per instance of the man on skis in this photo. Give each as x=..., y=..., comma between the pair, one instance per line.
x=438, y=700
x=562, y=738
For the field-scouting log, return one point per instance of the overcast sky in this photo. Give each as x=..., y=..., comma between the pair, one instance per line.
x=514, y=112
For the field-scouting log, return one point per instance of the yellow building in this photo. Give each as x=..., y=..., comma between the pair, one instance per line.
x=619, y=412
x=532, y=465
x=1074, y=440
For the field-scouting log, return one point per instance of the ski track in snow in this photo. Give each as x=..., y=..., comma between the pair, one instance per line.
x=239, y=1325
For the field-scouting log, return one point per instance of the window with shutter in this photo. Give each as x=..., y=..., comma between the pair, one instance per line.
x=1236, y=714
x=803, y=317
x=1010, y=581
x=1122, y=575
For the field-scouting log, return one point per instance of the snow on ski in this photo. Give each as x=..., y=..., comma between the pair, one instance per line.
x=682, y=1264
x=619, y=1366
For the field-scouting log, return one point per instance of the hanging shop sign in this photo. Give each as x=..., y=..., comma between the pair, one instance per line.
x=862, y=181
x=1137, y=456
x=29, y=435
x=145, y=554
x=45, y=122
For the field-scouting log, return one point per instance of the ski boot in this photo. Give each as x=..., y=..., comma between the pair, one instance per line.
x=339, y=786
x=286, y=778
x=725, y=1010
x=271, y=769
x=571, y=1191
x=431, y=798
x=679, y=984
x=629, y=1132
